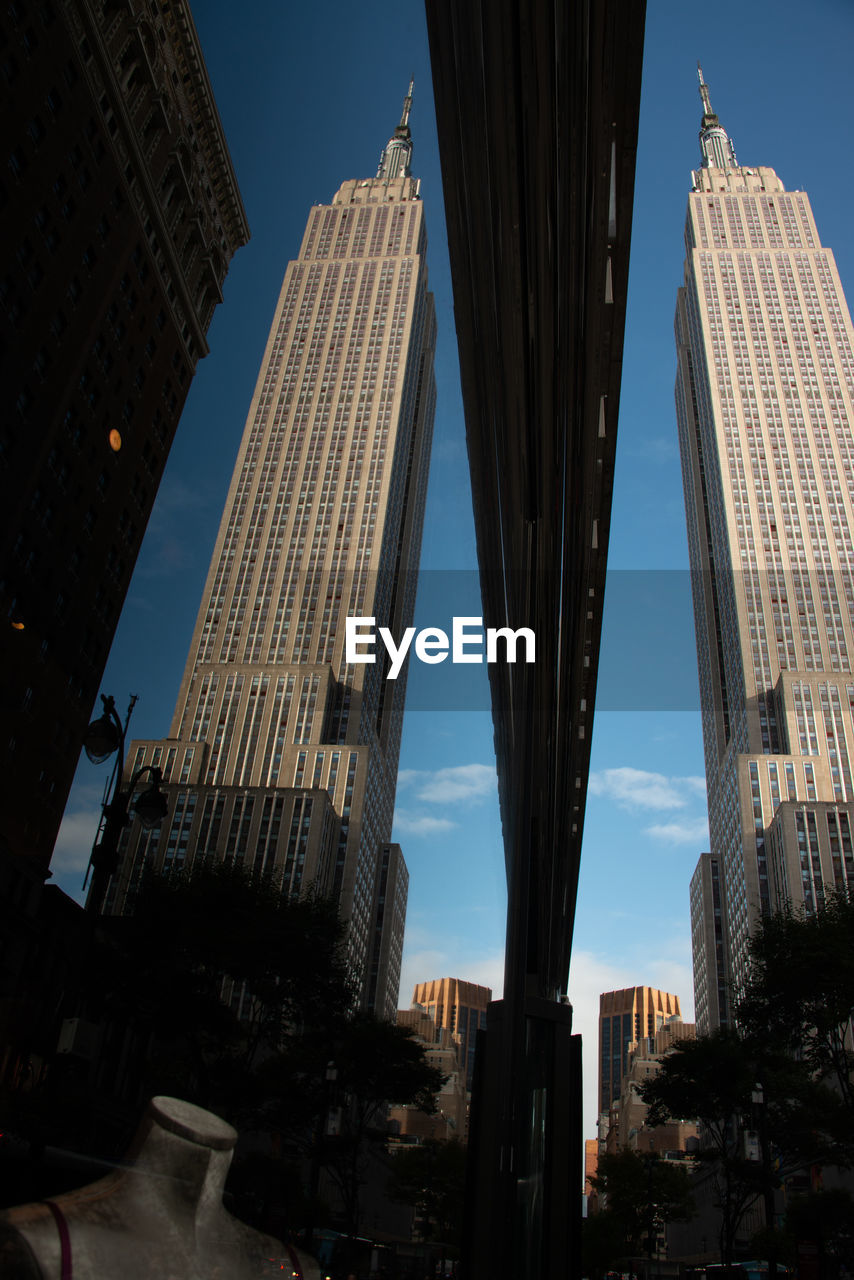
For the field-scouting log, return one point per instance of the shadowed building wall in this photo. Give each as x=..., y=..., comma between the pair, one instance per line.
x=536, y=110
x=119, y=214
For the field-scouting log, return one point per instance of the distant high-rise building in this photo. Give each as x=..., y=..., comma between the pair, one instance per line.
x=281, y=757
x=591, y=1165
x=625, y=1017
x=709, y=946
x=443, y=1050
x=630, y=1128
x=119, y=215
x=460, y=1006
x=765, y=404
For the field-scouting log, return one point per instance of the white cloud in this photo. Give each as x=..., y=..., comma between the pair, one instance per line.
x=488, y=971
x=462, y=782
x=414, y=824
x=454, y=785
x=691, y=831
x=74, y=842
x=431, y=962
x=640, y=789
x=420, y=966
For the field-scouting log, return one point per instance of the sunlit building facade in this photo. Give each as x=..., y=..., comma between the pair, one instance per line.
x=443, y=1050
x=281, y=757
x=764, y=403
x=709, y=945
x=625, y=1018
x=460, y=1007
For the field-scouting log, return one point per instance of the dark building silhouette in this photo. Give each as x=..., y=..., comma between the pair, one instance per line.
x=119, y=213
x=536, y=107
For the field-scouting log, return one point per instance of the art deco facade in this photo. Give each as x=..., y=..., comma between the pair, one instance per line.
x=709, y=945
x=629, y=1127
x=764, y=403
x=460, y=1007
x=443, y=1050
x=281, y=757
x=626, y=1017
x=119, y=213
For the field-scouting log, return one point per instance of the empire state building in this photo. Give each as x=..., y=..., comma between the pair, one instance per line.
x=281, y=758
x=765, y=404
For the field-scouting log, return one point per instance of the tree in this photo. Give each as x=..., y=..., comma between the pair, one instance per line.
x=603, y=1244
x=349, y=1068
x=222, y=992
x=796, y=1005
x=784, y=1003
x=739, y=1083
x=787, y=1072
x=196, y=941
x=712, y=1079
x=825, y=1218
x=220, y=930
x=643, y=1193
x=431, y=1177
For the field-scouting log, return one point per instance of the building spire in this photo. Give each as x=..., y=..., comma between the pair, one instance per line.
x=407, y=106
x=397, y=154
x=717, y=150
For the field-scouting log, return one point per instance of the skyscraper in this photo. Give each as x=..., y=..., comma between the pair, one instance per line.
x=461, y=1007
x=625, y=1017
x=708, y=945
x=443, y=1051
x=764, y=403
x=281, y=756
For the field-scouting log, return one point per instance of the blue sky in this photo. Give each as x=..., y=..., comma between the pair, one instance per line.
x=308, y=96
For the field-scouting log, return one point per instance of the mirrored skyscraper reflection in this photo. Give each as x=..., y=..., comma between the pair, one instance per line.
x=765, y=404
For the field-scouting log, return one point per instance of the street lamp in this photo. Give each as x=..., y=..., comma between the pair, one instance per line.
x=328, y=1126
x=104, y=737
x=760, y=1118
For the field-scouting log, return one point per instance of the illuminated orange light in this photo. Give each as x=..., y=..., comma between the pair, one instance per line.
x=19, y=626
x=115, y=440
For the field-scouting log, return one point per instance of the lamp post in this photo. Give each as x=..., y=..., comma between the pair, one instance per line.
x=328, y=1125
x=105, y=737
x=649, y=1159
x=757, y=1098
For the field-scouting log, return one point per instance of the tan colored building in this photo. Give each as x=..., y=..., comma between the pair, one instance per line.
x=626, y=1017
x=631, y=1130
x=443, y=1051
x=591, y=1164
x=765, y=405
x=709, y=945
x=281, y=757
x=120, y=217
x=460, y=1007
